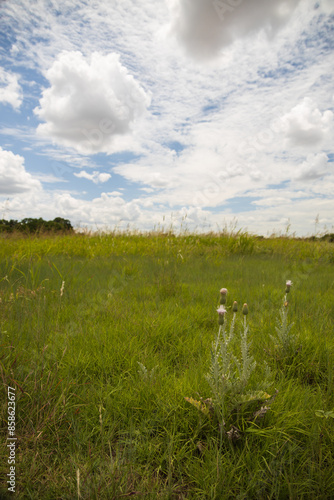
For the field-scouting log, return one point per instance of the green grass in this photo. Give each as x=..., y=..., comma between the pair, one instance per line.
x=102, y=371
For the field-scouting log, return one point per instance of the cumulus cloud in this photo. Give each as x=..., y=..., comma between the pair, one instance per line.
x=108, y=207
x=315, y=167
x=10, y=90
x=215, y=141
x=90, y=102
x=14, y=178
x=96, y=177
x=203, y=27
x=305, y=125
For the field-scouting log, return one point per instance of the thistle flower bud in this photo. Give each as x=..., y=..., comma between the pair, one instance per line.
x=288, y=285
x=245, y=309
x=223, y=293
x=235, y=306
x=221, y=312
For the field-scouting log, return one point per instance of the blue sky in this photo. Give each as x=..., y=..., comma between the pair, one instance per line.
x=160, y=112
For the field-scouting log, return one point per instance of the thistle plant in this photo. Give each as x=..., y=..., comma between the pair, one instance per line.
x=285, y=339
x=231, y=368
x=229, y=374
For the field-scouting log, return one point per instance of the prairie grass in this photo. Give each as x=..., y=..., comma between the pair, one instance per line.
x=104, y=336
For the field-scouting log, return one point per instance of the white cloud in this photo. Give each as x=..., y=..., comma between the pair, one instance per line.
x=305, y=125
x=10, y=90
x=115, y=193
x=91, y=102
x=14, y=178
x=203, y=27
x=109, y=210
x=315, y=167
x=96, y=177
x=235, y=144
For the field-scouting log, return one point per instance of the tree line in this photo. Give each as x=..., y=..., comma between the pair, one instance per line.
x=30, y=225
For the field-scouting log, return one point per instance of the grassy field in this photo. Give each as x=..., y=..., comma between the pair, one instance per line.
x=104, y=336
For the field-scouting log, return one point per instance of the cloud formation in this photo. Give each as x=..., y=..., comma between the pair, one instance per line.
x=315, y=167
x=14, y=177
x=247, y=136
x=204, y=27
x=90, y=102
x=96, y=177
x=305, y=125
x=10, y=90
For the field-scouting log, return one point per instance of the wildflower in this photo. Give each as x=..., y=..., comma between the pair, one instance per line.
x=221, y=312
x=288, y=285
x=235, y=306
x=245, y=309
x=223, y=293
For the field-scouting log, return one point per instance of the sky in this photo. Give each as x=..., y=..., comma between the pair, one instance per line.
x=197, y=115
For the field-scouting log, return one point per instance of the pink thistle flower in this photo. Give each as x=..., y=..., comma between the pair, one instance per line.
x=221, y=310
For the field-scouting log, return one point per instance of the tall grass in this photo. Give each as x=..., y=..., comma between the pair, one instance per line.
x=104, y=336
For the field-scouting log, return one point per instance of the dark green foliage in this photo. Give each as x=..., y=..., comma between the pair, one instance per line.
x=35, y=226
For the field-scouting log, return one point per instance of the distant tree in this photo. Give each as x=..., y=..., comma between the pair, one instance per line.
x=328, y=237
x=62, y=224
x=8, y=226
x=31, y=225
